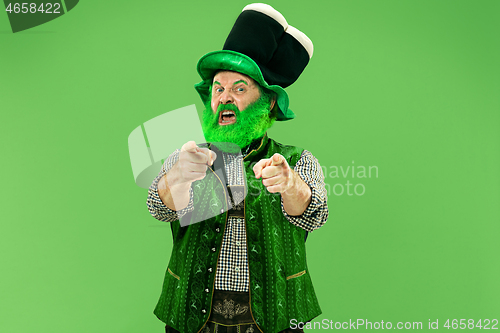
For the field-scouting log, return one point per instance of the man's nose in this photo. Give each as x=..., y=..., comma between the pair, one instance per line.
x=226, y=97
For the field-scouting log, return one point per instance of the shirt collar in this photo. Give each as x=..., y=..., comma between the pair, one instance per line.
x=255, y=147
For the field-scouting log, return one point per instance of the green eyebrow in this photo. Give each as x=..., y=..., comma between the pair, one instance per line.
x=240, y=81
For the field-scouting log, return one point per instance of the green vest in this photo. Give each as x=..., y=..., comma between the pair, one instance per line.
x=280, y=285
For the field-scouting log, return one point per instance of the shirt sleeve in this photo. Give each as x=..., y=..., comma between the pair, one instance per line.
x=316, y=213
x=156, y=207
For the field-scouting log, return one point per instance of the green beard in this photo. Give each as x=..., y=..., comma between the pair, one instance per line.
x=251, y=123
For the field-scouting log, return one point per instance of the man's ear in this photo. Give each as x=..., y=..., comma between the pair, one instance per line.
x=273, y=111
x=273, y=101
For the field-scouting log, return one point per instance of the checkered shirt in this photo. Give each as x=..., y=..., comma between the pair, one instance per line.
x=232, y=268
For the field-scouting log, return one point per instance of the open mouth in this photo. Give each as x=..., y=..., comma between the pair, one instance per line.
x=227, y=117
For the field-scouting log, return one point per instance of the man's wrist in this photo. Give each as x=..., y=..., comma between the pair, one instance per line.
x=297, y=197
x=294, y=187
x=173, y=192
x=173, y=177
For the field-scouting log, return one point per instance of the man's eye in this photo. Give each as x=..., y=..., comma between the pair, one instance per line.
x=219, y=90
x=240, y=89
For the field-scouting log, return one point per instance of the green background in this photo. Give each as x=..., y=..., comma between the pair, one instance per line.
x=411, y=87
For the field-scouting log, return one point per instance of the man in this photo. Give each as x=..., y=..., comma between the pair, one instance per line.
x=240, y=216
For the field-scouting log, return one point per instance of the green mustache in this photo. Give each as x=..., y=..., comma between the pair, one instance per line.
x=228, y=107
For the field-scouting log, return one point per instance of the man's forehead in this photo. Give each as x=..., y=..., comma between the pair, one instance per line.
x=232, y=77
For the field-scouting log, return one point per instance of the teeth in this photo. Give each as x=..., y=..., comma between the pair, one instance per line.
x=226, y=113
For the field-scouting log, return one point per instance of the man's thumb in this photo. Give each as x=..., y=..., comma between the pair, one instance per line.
x=277, y=159
x=190, y=147
x=213, y=157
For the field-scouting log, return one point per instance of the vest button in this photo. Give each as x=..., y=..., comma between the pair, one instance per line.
x=217, y=229
x=210, y=269
x=207, y=290
x=213, y=249
x=203, y=311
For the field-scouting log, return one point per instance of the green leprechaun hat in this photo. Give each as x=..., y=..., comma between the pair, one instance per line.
x=263, y=46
